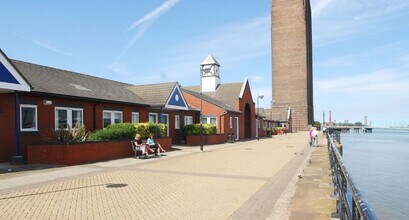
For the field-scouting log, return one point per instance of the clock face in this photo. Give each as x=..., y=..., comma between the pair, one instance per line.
x=207, y=72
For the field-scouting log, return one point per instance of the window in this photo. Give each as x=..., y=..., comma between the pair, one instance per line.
x=28, y=118
x=153, y=117
x=231, y=122
x=188, y=120
x=135, y=117
x=177, y=122
x=65, y=117
x=209, y=120
x=111, y=117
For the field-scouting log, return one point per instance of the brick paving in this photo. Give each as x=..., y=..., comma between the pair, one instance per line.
x=225, y=181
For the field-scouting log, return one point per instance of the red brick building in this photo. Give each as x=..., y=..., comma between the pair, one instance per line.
x=229, y=106
x=35, y=99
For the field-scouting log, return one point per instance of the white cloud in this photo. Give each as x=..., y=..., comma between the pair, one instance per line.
x=265, y=102
x=354, y=19
x=379, y=81
x=231, y=45
x=42, y=44
x=319, y=7
x=157, y=12
x=143, y=23
x=380, y=95
x=255, y=78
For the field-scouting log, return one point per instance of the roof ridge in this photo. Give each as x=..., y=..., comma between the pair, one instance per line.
x=154, y=84
x=69, y=71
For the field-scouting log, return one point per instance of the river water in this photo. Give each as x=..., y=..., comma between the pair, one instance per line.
x=379, y=165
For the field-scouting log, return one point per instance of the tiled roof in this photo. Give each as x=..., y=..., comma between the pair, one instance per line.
x=277, y=114
x=66, y=83
x=227, y=93
x=209, y=99
x=154, y=94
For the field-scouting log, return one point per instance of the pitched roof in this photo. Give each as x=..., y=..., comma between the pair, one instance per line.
x=210, y=60
x=66, y=83
x=211, y=100
x=10, y=77
x=226, y=93
x=154, y=94
x=277, y=114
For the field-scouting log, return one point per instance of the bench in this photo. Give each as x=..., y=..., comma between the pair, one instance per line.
x=141, y=150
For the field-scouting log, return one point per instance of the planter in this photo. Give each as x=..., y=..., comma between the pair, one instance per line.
x=194, y=140
x=84, y=152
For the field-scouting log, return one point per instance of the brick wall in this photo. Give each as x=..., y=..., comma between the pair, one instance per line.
x=87, y=152
x=92, y=111
x=292, y=58
x=194, y=140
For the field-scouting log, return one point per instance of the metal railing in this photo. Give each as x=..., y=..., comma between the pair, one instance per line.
x=350, y=202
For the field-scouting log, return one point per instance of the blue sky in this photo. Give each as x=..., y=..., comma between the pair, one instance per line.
x=361, y=47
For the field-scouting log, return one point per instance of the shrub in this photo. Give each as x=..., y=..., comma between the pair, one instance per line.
x=194, y=129
x=118, y=131
x=144, y=129
x=66, y=135
x=123, y=131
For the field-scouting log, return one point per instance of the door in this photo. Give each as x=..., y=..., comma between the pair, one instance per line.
x=237, y=128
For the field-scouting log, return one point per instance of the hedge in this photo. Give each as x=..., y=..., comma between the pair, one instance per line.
x=144, y=129
x=122, y=131
x=194, y=129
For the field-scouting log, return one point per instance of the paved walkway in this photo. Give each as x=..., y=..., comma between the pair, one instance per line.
x=237, y=181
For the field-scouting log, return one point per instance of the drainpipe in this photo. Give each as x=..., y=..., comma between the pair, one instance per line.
x=17, y=159
x=94, y=116
x=160, y=115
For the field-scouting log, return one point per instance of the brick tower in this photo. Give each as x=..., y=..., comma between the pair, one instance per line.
x=291, y=44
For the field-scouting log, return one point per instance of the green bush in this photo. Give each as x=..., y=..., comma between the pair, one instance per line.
x=144, y=129
x=118, y=131
x=123, y=131
x=194, y=129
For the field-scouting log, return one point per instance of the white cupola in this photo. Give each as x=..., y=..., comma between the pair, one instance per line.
x=210, y=74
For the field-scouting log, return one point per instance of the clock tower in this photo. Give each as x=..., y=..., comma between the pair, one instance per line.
x=209, y=74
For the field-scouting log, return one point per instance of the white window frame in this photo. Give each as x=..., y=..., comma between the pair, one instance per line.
x=207, y=118
x=156, y=116
x=112, y=117
x=35, y=117
x=69, y=115
x=177, y=122
x=231, y=122
x=137, y=116
x=188, y=118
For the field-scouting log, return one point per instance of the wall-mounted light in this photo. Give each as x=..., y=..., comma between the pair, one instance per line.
x=47, y=102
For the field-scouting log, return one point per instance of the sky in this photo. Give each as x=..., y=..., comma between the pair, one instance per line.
x=360, y=47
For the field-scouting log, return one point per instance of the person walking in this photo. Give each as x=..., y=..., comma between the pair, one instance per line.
x=314, y=134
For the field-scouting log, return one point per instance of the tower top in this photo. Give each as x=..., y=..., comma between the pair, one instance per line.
x=210, y=60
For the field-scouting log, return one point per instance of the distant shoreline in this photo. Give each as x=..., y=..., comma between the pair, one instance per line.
x=392, y=128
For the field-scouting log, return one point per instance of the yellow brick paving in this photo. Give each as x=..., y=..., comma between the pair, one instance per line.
x=208, y=185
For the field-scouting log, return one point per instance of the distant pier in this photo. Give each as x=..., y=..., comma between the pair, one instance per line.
x=347, y=129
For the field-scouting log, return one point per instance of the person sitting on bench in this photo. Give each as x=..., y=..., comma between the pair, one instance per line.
x=151, y=143
x=145, y=148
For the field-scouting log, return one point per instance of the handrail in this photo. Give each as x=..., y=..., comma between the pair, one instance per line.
x=347, y=207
